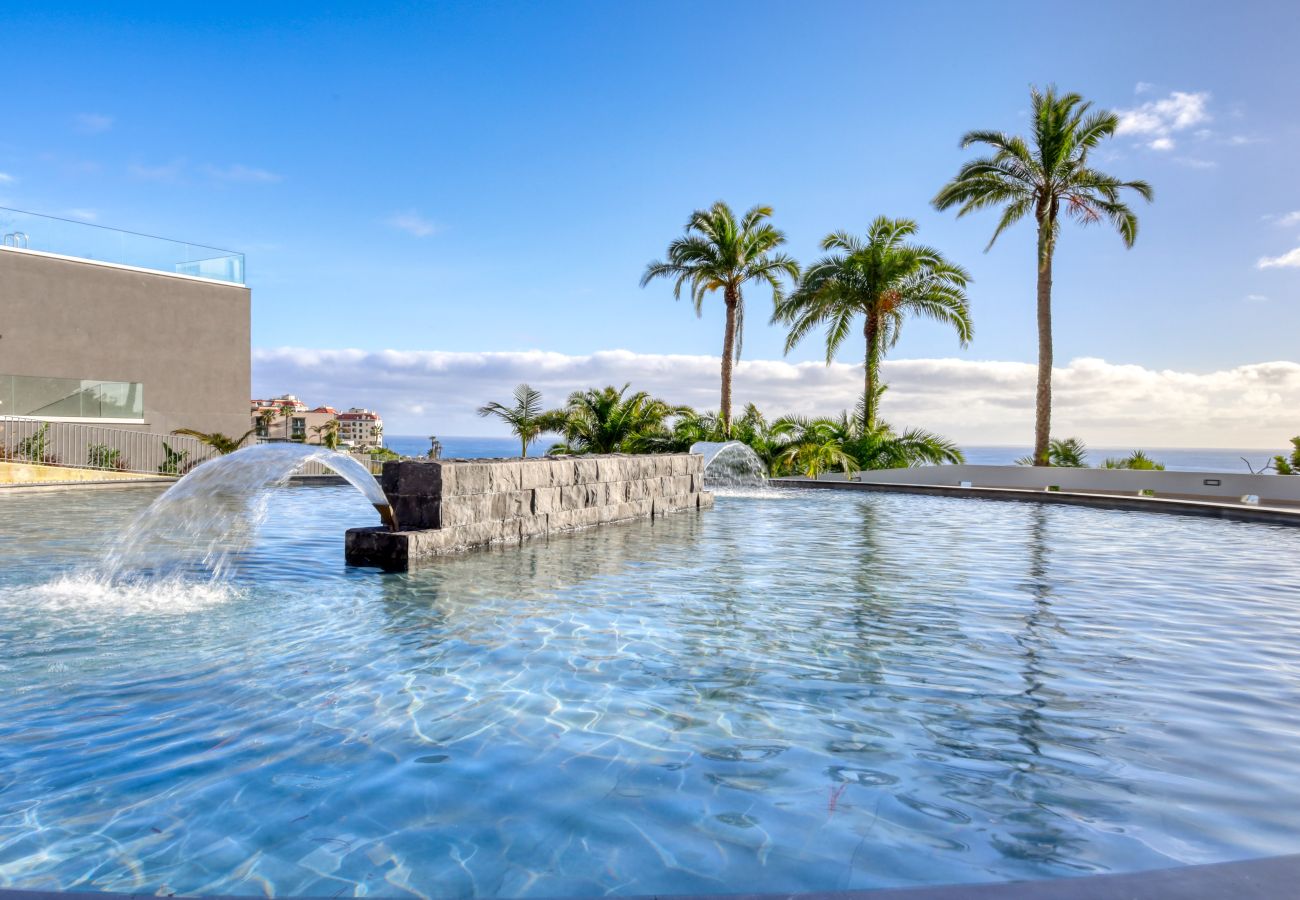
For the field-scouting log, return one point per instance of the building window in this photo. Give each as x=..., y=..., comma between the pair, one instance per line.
x=70, y=398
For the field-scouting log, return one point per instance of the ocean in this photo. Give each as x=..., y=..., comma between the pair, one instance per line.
x=1181, y=459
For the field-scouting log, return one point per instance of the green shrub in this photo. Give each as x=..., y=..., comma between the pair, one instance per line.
x=102, y=456
x=174, y=461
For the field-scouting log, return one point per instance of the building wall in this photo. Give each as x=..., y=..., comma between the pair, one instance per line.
x=186, y=340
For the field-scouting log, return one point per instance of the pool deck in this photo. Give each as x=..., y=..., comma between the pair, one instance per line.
x=1216, y=508
x=1269, y=878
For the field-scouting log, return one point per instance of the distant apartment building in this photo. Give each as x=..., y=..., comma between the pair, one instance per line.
x=110, y=328
x=287, y=418
x=361, y=428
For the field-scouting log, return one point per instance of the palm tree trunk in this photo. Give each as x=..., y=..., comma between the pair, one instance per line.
x=523, y=440
x=870, y=331
x=732, y=297
x=1043, y=395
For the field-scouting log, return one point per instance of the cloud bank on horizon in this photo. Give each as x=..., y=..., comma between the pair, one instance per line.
x=973, y=402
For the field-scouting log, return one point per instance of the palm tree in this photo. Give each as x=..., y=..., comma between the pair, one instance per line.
x=1043, y=177
x=819, y=448
x=884, y=280
x=526, y=417
x=605, y=421
x=287, y=410
x=222, y=443
x=1070, y=453
x=1136, y=460
x=328, y=433
x=720, y=253
x=267, y=416
x=814, y=445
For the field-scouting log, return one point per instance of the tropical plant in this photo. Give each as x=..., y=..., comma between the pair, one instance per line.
x=36, y=447
x=884, y=280
x=605, y=421
x=173, y=461
x=1070, y=453
x=882, y=448
x=690, y=427
x=812, y=443
x=222, y=443
x=768, y=440
x=266, y=416
x=383, y=454
x=287, y=410
x=719, y=252
x=102, y=456
x=819, y=448
x=328, y=432
x=526, y=417
x=1284, y=465
x=1137, y=460
x=1043, y=177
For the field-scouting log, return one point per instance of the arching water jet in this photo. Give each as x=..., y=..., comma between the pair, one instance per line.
x=730, y=464
x=209, y=516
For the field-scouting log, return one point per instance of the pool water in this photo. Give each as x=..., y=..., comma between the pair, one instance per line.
x=812, y=691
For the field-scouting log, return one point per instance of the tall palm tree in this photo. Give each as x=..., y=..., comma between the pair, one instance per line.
x=719, y=252
x=1043, y=177
x=287, y=410
x=267, y=417
x=222, y=443
x=526, y=417
x=328, y=432
x=605, y=421
x=883, y=279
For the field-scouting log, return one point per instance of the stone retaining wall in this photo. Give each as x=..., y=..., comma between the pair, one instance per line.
x=448, y=506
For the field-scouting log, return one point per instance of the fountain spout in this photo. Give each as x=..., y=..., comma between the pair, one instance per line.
x=386, y=513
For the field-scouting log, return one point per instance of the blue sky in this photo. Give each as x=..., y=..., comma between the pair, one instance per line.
x=488, y=177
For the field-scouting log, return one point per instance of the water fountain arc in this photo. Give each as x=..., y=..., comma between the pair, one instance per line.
x=207, y=516
x=730, y=464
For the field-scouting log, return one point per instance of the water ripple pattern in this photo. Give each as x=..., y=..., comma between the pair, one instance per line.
x=832, y=691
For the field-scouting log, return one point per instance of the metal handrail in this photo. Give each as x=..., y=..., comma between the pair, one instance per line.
x=28, y=439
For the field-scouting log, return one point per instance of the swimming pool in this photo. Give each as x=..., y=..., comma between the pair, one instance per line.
x=810, y=691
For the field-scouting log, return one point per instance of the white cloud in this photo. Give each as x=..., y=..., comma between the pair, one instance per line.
x=1159, y=120
x=1143, y=87
x=166, y=172
x=93, y=123
x=1286, y=220
x=1193, y=162
x=1256, y=298
x=86, y=215
x=973, y=402
x=412, y=223
x=1288, y=260
x=242, y=174
x=6, y=178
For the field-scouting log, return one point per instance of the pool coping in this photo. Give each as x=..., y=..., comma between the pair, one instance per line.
x=1267, y=878
x=1272, y=515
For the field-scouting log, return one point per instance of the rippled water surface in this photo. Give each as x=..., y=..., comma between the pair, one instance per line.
x=818, y=692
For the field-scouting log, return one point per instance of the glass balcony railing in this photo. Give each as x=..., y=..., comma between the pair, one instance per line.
x=30, y=231
x=70, y=398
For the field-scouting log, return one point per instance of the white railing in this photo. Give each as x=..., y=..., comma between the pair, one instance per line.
x=74, y=445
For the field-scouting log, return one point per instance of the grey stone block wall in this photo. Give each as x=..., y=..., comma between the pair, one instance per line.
x=452, y=505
